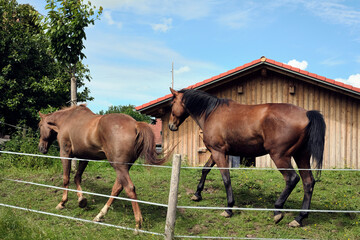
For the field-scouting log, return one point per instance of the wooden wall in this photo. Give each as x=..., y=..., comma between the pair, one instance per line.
x=341, y=114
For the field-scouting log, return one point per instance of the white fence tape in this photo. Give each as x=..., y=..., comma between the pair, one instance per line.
x=164, y=205
x=191, y=207
x=186, y=167
x=133, y=229
x=79, y=219
x=89, y=193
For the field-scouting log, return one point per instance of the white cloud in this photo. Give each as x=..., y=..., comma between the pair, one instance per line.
x=333, y=11
x=358, y=59
x=164, y=26
x=110, y=21
x=333, y=61
x=237, y=19
x=353, y=80
x=183, y=69
x=186, y=9
x=295, y=63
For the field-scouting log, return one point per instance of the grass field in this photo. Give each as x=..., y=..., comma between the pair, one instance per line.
x=253, y=189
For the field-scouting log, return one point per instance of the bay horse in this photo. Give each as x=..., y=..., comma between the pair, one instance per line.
x=279, y=129
x=116, y=137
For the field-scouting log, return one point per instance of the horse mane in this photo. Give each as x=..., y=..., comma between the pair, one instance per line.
x=64, y=109
x=74, y=106
x=199, y=102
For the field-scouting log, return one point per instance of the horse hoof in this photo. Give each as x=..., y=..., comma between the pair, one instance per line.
x=278, y=217
x=294, y=224
x=82, y=202
x=226, y=214
x=97, y=219
x=196, y=198
x=60, y=206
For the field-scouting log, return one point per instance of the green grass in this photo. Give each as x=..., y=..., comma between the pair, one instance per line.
x=253, y=189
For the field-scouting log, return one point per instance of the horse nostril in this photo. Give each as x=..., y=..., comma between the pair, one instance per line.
x=42, y=149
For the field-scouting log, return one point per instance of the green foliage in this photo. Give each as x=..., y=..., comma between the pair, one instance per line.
x=66, y=22
x=26, y=141
x=129, y=110
x=30, y=76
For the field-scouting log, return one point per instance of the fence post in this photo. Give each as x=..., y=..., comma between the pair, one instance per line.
x=173, y=197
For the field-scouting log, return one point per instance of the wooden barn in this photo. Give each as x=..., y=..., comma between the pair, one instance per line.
x=268, y=81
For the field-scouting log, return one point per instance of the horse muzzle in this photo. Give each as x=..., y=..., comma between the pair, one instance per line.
x=43, y=149
x=173, y=127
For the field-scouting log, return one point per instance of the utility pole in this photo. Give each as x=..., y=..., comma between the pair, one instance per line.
x=73, y=93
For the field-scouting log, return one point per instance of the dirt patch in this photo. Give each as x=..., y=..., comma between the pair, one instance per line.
x=198, y=229
x=189, y=191
x=210, y=190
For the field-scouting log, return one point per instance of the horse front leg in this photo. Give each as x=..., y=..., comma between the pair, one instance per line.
x=66, y=179
x=207, y=168
x=221, y=162
x=81, y=200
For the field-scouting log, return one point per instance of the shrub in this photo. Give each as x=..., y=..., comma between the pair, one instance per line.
x=27, y=143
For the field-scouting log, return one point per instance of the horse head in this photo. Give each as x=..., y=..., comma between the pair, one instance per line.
x=178, y=111
x=48, y=132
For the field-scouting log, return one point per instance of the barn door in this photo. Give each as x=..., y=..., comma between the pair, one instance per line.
x=203, y=153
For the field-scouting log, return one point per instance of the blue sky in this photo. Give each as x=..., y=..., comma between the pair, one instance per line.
x=131, y=49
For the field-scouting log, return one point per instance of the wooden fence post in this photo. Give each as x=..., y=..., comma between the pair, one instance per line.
x=173, y=197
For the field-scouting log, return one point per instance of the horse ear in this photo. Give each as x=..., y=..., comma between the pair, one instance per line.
x=41, y=115
x=175, y=93
x=53, y=126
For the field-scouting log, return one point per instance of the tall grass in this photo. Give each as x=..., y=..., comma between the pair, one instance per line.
x=253, y=189
x=27, y=143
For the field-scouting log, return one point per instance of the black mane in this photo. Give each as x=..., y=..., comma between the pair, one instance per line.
x=199, y=102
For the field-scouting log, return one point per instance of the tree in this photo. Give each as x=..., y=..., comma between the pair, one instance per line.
x=129, y=110
x=30, y=77
x=66, y=22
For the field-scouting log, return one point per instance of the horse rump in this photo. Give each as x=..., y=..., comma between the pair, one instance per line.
x=145, y=145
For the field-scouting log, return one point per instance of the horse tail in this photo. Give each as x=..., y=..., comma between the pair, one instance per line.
x=315, y=131
x=145, y=144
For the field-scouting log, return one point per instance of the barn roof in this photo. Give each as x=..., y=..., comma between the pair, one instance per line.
x=263, y=61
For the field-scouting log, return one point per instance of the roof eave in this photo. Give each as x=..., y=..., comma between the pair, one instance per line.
x=329, y=83
x=200, y=86
x=314, y=79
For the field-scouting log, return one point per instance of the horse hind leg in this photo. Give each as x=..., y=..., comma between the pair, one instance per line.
x=303, y=162
x=207, y=168
x=130, y=191
x=291, y=179
x=81, y=200
x=116, y=189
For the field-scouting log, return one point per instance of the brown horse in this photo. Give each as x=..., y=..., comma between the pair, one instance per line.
x=83, y=134
x=230, y=128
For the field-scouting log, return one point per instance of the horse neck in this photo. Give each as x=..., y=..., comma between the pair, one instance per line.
x=60, y=116
x=200, y=120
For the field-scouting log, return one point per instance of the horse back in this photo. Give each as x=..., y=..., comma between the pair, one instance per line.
x=95, y=136
x=252, y=130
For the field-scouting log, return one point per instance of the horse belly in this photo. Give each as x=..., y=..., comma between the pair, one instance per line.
x=248, y=147
x=247, y=150
x=89, y=153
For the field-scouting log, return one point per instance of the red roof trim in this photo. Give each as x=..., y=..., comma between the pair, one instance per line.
x=250, y=64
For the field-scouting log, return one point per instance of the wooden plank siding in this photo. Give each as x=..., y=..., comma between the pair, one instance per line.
x=341, y=114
